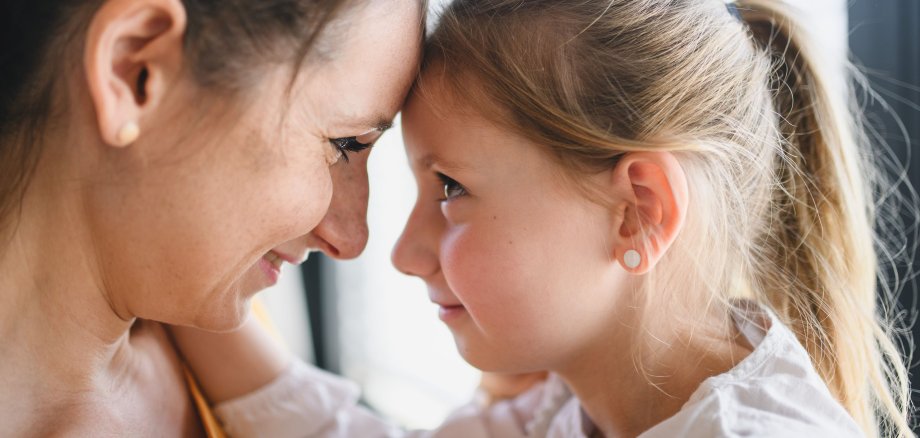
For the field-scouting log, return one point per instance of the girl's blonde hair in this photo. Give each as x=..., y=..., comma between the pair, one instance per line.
x=782, y=183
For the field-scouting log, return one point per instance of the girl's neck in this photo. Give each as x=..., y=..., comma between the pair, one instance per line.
x=624, y=395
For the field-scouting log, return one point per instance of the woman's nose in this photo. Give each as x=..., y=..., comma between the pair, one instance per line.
x=343, y=231
x=414, y=253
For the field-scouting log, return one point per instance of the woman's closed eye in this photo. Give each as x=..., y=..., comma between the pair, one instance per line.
x=451, y=188
x=346, y=145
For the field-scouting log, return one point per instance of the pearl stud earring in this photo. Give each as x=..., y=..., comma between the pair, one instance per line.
x=632, y=258
x=128, y=133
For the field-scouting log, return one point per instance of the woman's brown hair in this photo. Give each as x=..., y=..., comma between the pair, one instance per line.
x=782, y=181
x=226, y=42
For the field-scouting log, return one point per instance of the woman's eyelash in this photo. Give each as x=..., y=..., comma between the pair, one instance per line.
x=452, y=189
x=348, y=144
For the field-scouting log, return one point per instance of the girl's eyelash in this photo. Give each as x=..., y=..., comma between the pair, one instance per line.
x=348, y=144
x=452, y=189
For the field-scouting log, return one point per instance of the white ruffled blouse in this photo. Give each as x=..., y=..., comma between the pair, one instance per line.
x=774, y=392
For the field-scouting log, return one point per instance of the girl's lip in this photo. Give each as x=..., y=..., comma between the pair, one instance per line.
x=450, y=313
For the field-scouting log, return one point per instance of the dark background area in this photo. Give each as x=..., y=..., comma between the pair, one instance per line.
x=885, y=42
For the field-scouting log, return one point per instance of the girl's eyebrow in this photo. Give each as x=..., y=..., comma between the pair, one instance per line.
x=430, y=159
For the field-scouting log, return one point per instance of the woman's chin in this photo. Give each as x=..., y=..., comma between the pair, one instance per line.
x=220, y=319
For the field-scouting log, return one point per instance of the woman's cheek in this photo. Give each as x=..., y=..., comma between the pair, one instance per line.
x=297, y=203
x=311, y=202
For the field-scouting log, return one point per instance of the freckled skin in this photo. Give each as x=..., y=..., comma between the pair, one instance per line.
x=181, y=242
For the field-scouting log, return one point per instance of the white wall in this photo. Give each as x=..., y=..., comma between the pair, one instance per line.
x=288, y=307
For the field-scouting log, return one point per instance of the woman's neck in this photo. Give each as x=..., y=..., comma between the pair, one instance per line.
x=57, y=328
x=624, y=395
x=67, y=350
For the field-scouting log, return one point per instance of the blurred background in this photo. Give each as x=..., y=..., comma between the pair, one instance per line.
x=366, y=321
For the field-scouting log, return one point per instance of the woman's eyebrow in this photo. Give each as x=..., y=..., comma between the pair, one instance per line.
x=371, y=123
x=383, y=125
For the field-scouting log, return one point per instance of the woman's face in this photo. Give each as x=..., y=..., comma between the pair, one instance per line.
x=514, y=256
x=197, y=215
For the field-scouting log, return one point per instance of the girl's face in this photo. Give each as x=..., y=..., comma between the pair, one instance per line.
x=515, y=257
x=201, y=210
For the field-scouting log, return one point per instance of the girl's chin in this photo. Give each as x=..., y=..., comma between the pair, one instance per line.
x=497, y=358
x=483, y=361
x=494, y=365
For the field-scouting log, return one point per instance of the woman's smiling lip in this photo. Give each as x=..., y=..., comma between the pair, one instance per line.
x=270, y=265
x=289, y=258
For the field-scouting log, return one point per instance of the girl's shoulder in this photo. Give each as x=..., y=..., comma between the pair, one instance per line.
x=767, y=412
x=774, y=391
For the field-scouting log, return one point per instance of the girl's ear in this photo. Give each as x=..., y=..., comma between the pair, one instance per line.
x=134, y=51
x=649, y=208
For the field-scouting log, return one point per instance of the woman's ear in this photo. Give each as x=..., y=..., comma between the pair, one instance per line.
x=650, y=207
x=133, y=52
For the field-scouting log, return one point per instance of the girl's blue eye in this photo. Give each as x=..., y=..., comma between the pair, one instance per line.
x=452, y=189
x=348, y=144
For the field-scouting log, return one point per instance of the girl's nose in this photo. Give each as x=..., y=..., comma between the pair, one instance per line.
x=415, y=252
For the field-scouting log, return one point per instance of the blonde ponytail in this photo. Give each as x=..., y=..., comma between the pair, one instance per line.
x=819, y=264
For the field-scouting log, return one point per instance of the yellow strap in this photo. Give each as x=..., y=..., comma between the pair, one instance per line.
x=211, y=425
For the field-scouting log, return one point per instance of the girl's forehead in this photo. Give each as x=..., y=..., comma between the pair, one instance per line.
x=458, y=93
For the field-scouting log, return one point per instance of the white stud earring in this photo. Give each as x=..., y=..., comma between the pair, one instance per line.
x=128, y=133
x=632, y=258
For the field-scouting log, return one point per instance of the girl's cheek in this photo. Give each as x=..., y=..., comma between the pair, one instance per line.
x=445, y=209
x=460, y=260
x=473, y=264
x=459, y=211
x=451, y=253
x=458, y=249
x=449, y=212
